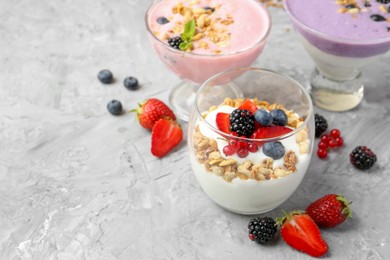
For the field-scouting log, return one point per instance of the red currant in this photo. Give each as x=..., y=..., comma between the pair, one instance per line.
x=233, y=142
x=335, y=133
x=322, y=153
x=229, y=150
x=253, y=148
x=332, y=143
x=242, y=145
x=251, y=237
x=339, y=141
x=325, y=138
x=322, y=145
x=242, y=153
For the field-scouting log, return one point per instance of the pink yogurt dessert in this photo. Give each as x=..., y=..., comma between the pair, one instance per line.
x=229, y=33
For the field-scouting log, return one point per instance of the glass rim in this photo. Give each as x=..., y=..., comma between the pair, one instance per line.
x=261, y=40
x=240, y=138
x=330, y=37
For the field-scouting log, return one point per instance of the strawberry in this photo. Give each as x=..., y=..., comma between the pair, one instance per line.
x=300, y=232
x=269, y=132
x=151, y=110
x=223, y=122
x=248, y=105
x=166, y=134
x=330, y=210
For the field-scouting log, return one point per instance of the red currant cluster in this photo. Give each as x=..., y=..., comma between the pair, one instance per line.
x=240, y=147
x=328, y=142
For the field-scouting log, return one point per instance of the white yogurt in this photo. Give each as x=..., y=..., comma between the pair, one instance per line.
x=248, y=196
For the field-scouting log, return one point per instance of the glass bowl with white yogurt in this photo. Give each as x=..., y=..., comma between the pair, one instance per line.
x=250, y=149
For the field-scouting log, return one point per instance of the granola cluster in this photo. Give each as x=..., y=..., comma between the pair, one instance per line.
x=209, y=24
x=207, y=153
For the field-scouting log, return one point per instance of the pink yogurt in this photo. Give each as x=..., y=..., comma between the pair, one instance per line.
x=248, y=34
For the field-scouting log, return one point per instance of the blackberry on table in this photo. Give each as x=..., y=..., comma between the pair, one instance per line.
x=362, y=158
x=242, y=122
x=321, y=124
x=262, y=230
x=175, y=42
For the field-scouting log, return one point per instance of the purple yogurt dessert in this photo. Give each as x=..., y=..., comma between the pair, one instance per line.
x=349, y=28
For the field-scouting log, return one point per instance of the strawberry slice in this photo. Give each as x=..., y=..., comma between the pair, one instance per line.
x=166, y=134
x=223, y=122
x=248, y=105
x=300, y=232
x=269, y=132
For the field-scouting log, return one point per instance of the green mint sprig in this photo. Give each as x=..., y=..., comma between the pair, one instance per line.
x=187, y=35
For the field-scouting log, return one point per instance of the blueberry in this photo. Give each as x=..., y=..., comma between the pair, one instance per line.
x=105, y=76
x=162, y=20
x=280, y=118
x=209, y=8
x=377, y=18
x=131, y=83
x=114, y=107
x=275, y=150
x=263, y=117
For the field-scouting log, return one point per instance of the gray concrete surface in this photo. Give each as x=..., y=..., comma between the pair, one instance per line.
x=77, y=183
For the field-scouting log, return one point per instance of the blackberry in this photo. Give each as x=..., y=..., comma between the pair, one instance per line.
x=321, y=124
x=175, y=42
x=242, y=122
x=362, y=158
x=262, y=230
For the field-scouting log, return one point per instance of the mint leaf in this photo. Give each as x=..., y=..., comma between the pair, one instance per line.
x=187, y=35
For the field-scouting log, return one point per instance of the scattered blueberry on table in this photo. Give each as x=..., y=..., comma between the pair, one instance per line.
x=115, y=107
x=105, y=76
x=131, y=83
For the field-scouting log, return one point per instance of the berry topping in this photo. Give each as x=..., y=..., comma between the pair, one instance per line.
x=166, y=135
x=229, y=150
x=362, y=158
x=131, y=83
x=253, y=148
x=242, y=153
x=248, y=105
x=275, y=150
x=151, y=110
x=105, y=76
x=279, y=117
x=329, y=211
x=162, y=20
x=209, y=8
x=377, y=18
x=300, y=232
x=322, y=153
x=223, y=122
x=321, y=125
x=175, y=42
x=269, y=132
x=262, y=230
x=383, y=1
x=242, y=122
x=263, y=117
x=114, y=107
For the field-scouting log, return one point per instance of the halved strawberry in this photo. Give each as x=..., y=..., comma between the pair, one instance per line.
x=269, y=132
x=223, y=122
x=248, y=105
x=166, y=134
x=300, y=232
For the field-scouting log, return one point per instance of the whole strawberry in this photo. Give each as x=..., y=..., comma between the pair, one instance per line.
x=299, y=231
x=151, y=110
x=330, y=210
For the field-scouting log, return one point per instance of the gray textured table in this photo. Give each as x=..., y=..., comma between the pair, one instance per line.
x=77, y=183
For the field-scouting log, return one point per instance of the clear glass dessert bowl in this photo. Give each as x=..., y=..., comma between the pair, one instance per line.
x=342, y=38
x=255, y=172
x=196, y=66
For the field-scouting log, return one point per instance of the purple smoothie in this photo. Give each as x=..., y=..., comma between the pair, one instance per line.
x=335, y=29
